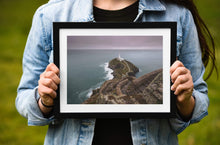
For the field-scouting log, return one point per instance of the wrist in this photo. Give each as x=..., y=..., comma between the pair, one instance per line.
x=186, y=108
x=44, y=108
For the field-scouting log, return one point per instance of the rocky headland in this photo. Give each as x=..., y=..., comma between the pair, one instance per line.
x=125, y=88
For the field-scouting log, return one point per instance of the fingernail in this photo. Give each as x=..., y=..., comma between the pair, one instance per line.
x=172, y=88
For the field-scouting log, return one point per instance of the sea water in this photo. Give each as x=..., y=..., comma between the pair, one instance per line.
x=88, y=69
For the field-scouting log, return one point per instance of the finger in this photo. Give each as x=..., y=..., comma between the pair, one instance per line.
x=45, y=92
x=53, y=67
x=179, y=71
x=188, y=87
x=42, y=75
x=181, y=79
x=53, y=76
x=184, y=95
x=49, y=83
x=175, y=65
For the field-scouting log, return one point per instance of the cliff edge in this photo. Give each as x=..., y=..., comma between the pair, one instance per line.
x=125, y=88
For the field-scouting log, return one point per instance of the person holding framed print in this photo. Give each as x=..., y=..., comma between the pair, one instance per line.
x=40, y=79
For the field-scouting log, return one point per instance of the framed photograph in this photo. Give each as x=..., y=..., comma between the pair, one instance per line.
x=114, y=69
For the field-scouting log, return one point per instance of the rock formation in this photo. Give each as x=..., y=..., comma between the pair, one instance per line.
x=125, y=88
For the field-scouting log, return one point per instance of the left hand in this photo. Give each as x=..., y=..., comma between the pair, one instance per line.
x=183, y=88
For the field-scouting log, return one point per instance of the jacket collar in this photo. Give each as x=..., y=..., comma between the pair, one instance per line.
x=84, y=8
x=151, y=5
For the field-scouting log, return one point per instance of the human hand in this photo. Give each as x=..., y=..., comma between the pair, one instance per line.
x=47, y=86
x=183, y=88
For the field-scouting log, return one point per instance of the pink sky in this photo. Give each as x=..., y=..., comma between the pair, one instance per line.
x=115, y=42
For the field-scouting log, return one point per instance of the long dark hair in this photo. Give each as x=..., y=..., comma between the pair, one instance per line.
x=205, y=38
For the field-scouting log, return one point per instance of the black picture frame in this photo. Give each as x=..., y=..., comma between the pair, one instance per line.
x=62, y=30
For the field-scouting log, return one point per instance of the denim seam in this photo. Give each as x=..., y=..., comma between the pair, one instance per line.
x=80, y=132
x=64, y=130
x=192, y=121
x=40, y=123
x=182, y=128
x=44, y=35
x=199, y=118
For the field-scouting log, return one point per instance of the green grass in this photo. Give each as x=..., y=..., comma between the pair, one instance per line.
x=15, y=22
x=206, y=131
x=16, y=17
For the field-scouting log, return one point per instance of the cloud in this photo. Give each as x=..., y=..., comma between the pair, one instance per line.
x=115, y=42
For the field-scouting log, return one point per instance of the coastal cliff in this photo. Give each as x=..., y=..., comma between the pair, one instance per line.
x=125, y=88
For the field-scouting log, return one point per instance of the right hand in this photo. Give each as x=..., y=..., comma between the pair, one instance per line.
x=47, y=86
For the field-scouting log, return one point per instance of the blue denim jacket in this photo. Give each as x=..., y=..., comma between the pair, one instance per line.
x=39, y=53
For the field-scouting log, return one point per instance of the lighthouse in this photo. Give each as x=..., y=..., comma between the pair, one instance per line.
x=120, y=58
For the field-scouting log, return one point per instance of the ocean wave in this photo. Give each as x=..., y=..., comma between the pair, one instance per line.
x=87, y=93
x=108, y=71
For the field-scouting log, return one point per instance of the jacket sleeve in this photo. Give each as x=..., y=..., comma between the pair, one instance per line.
x=190, y=55
x=35, y=60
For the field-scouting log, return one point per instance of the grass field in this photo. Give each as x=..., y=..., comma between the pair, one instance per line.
x=15, y=22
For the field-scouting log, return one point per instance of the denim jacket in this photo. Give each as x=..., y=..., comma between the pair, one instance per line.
x=39, y=53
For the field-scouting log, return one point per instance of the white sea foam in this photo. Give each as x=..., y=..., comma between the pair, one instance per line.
x=87, y=93
x=108, y=71
x=108, y=76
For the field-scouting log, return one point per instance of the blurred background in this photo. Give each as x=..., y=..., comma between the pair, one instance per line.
x=15, y=22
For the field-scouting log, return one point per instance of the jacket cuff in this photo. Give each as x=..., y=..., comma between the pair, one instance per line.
x=201, y=106
x=35, y=116
x=199, y=112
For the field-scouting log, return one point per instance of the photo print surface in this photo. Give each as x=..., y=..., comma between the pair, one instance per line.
x=114, y=69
